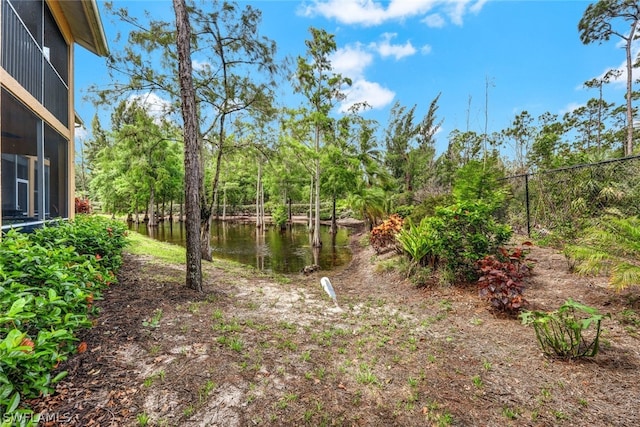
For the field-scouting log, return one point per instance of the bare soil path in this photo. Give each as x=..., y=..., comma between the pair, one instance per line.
x=261, y=350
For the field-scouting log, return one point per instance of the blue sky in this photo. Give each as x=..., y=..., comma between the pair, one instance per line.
x=529, y=53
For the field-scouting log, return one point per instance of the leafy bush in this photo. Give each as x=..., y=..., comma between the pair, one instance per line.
x=47, y=289
x=89, y=235
x=428, y=206
x=572, y=331
x=419, y=242
x=279, y=216
x=384, y=235
x=501, y=280
x=404, y=211
x=479, y=181
x=454, y=238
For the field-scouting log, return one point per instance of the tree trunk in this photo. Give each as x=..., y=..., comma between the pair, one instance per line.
x=205, y=240
x=334, y=223
x=224, y=203
x=259, y=223
x=599, y=134
x=191, y=147
x=205, y=226
x=316, y=227
x=311, y=206
x=152, y=214
x=262, y=214
x=629, y=146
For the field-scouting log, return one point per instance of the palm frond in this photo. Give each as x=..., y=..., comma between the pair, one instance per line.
x=612, y=247
x=625, y=275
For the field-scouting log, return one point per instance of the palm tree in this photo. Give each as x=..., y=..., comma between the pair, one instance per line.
x=369, y=202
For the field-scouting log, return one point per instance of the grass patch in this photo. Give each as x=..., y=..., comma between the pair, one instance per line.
x=161, y=251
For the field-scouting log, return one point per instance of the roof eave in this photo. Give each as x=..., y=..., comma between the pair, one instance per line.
x=84, y=20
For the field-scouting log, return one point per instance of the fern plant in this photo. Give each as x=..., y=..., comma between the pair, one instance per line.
x=612, y=246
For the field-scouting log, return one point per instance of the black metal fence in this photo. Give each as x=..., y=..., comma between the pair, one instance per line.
x=565, y=199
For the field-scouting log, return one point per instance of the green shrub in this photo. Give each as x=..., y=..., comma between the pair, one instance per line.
x=279, y=216
x=47, y=289
x=403, y=211
x=480, y=181
x=572, y=331
x=455, y=238
x=428, y=206
x=419, y=241
x=90, y=235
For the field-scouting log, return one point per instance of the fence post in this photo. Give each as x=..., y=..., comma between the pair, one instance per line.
x=526, y=192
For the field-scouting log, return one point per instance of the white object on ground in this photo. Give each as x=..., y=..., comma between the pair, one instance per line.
x=326, y=285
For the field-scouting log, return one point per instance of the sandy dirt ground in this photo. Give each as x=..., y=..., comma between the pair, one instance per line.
x=256, y=349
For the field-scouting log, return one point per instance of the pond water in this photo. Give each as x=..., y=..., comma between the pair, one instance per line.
x=287, y=251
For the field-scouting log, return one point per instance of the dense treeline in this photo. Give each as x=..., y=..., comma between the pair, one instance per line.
x=256, y=152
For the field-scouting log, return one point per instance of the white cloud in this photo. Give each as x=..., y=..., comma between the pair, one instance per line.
x=426, y=49
x=571, y=107
x=155, y=106
x=477, y=6
x=385, y=48
x=200, y=65
x=621, y=79
x=372, y=93
x=81, y=133
x=364, y=12
x=456, y=11
x=351, y=61
x=371, y=13
x=434, y=20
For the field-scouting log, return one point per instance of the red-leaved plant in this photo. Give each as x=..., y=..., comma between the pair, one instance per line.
x=384, y=235
x=501, y=279
x=83, y=206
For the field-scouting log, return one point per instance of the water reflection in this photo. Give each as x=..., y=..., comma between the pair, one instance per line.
x=271, y=249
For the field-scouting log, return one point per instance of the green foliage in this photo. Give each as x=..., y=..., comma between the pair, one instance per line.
x=47, y=289
x=368, y=203
x=403, y=211
x=454, y=238
x=501, y=280
x=410, y=152
x=418, y=242
x=572, y=331
x=611, y=245
x=428, y=206
x=279, y=216
x=478, y=181
x=89, y=235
